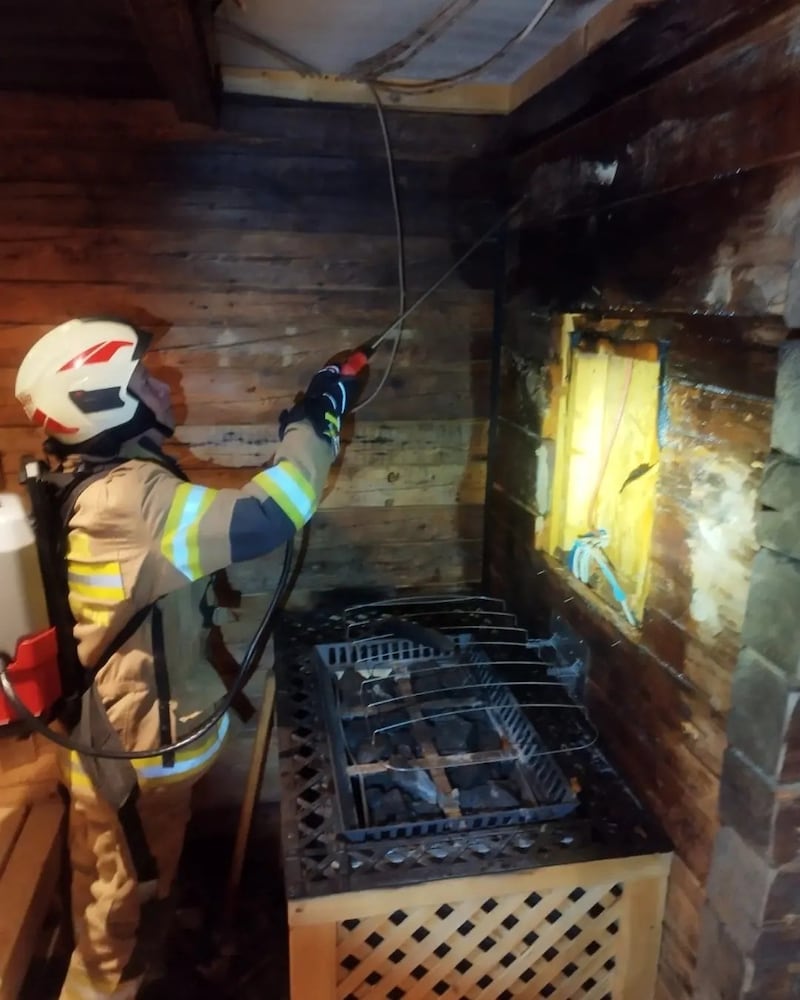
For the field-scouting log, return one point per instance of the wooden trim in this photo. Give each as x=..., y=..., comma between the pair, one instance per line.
x=371, y=902
x=637, y=970
x=554, y=429
x=312, y=962
x=27, y=883
x=176, y=39
x=465, y=98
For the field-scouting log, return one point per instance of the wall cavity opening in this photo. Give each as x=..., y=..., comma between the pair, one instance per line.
x=606, y=414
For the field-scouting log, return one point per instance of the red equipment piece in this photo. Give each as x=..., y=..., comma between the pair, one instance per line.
x=35, y=675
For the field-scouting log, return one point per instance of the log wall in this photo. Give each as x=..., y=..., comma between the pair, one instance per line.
x=255, y=253
x=672, y=214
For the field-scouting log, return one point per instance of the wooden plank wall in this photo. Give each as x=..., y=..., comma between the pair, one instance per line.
x=255, y=253
x=80, y=47
x=672, y=214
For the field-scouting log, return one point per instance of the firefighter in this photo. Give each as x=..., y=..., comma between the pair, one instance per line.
x=141, y=536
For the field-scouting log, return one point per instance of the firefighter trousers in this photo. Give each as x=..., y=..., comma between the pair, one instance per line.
x=117, y=933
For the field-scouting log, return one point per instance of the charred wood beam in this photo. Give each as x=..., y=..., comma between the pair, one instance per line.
x=176, y=35
x=663, y=37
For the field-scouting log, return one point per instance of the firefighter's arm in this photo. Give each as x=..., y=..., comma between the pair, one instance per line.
x=197, y=530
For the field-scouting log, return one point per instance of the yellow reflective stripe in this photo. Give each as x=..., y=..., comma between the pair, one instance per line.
x=82, y=568
x=180, y=543
x=292, y=492
x=96, y=581
x=97, y=593
x=189, y=762
x=84, y=612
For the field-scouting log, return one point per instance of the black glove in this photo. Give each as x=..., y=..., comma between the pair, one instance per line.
x=328, y=397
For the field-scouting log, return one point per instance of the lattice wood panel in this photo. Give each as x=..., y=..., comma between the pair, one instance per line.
x=544, y=933
x=560, y=944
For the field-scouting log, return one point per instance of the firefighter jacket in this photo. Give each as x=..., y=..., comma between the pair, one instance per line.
x=141, y=534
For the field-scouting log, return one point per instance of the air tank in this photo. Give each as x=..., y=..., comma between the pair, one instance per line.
x=23, y=608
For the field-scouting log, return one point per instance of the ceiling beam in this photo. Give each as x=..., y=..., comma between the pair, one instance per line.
x=470, y=97
x=177, y=37
x=474, y=96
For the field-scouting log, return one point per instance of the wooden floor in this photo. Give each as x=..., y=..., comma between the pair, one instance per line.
x=254, y=961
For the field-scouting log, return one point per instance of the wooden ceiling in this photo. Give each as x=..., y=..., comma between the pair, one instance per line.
x=449, y=55
x=317, y=50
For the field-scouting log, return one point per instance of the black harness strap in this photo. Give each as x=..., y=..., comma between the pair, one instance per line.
x=113, y=778
x=162, y=685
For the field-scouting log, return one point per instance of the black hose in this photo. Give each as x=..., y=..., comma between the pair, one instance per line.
x=247, y=668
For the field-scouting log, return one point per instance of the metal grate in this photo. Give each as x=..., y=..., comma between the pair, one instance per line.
x=318, y=857
x=547, y=792
x=321, y=856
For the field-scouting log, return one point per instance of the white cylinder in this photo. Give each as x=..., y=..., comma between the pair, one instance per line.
x=23, y=608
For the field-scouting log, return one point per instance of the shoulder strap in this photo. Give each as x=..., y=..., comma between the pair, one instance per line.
x=53, y=499
x=54, y=496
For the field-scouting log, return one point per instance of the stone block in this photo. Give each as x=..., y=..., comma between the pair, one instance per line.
x=790, y=765
x=785, y=848
x=758, y=719
x=721, y=966
x=747, y=801
x=738, y=888
x=764, y=813
x=778, y=524
x=772, y=619
x=778, y=948
x=780, y=484
x=786, y=419
x=783, y=901
x=773, y=984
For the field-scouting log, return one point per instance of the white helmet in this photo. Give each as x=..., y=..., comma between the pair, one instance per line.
x=73, y=382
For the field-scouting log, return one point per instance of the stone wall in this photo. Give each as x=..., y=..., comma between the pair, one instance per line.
x=750, y=940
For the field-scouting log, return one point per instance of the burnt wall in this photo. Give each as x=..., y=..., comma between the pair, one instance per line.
x=669, y=215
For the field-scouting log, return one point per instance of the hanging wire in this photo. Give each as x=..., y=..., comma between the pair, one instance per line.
x=396, y=55
x=401, y=266
x=445, y=82
x=391, y=86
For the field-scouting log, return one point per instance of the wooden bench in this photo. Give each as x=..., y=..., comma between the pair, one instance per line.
x=30, y=856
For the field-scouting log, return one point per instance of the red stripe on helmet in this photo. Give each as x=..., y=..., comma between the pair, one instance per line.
x=50, y=424
x=97, y=354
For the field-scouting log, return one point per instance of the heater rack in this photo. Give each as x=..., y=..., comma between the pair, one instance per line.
x=546, y=790
x=571, y=906
x=318, y=857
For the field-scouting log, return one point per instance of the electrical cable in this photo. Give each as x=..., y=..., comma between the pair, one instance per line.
x=401, y=265
x=398, y=87
x=445, y=82
x=396, y=55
